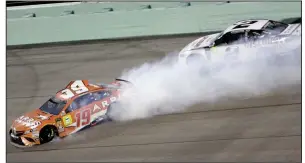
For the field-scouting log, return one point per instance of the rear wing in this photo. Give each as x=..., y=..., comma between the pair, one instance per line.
x=116, y=84
x=122, y=80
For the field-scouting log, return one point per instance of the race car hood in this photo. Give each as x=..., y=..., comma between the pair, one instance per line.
x=30, y=120
x=201, y=42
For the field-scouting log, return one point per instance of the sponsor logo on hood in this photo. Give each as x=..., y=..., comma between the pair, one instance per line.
x=43, y=117
x=28, y=122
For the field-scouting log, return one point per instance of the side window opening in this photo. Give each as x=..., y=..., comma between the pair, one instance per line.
x=100, y=95
x=73, y=106
x=274, y=27
x=78, y=103
x=230, y=37
x=254, y=35
x=87, y=99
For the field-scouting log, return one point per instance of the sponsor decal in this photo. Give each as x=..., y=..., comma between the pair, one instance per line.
x=290, y=29
x=28, y=122
x=58, y=124
x=96, y=109
x=67, y=119
x=86, y=116
x=278, y=41
x=35, y=134
x=297, y=32
x=42, y=117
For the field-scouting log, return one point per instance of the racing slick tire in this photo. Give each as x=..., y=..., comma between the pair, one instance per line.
x=195, y=59
x=108, y=113
x=203, y=65
x=47, y=134
x=198, y=62
x=298, y=56
x=111, y=109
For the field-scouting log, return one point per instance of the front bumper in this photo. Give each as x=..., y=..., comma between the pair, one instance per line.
x=21, y=141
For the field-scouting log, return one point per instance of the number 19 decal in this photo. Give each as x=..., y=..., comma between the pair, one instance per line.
x=83, y=118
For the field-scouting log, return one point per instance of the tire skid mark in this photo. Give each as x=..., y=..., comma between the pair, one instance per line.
x=175, y=142
x=168, y=142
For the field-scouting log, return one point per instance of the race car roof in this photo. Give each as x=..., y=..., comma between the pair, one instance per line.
x=247, y=24
x=75, y=88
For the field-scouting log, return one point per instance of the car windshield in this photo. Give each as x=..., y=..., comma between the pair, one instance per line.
x=53, y=106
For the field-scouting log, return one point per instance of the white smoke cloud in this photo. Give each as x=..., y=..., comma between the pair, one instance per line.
x=167, y=86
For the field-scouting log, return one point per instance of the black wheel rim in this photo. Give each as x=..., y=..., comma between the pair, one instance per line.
x=47, y=135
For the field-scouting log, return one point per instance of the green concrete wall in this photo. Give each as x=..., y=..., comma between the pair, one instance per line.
x=132, y=20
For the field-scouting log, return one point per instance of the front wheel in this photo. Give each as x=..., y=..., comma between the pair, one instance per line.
x=201, y=64
x=195, y=59
x=47, y=134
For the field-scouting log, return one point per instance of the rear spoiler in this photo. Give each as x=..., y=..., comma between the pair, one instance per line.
x=116, y=84
x=122, y=80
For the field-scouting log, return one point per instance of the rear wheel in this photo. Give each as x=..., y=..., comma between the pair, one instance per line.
x=114, y=107
x=47, y=134
x=298, y=56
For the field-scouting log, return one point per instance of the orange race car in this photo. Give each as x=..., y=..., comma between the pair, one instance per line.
x=79, y=105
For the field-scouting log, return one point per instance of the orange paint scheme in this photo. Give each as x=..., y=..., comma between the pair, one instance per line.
x=27, y=130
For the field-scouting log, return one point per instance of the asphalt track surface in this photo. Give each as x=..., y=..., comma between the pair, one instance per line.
x=266, y=128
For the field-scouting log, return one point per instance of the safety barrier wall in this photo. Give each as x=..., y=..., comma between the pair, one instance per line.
x=90, y=24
